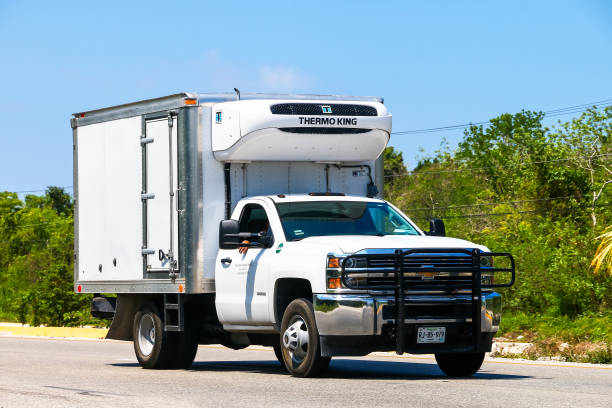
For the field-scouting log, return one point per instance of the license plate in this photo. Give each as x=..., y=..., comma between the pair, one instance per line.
x=431, y=334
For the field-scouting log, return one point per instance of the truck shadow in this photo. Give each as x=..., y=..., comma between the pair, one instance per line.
x=342, y=368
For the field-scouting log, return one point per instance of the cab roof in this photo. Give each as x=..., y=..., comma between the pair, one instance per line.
x=286, y=198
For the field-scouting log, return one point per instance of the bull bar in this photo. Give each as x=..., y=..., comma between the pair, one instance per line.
x=462, y=271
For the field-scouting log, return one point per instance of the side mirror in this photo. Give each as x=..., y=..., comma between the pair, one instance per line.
x=436, y=228
x=230, y=236
x=228, y=232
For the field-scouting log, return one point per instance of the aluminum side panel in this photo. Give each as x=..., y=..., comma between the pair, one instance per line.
x=190, y=203
x=108, y=205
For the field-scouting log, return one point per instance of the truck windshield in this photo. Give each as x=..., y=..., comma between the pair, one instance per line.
x=323, y=218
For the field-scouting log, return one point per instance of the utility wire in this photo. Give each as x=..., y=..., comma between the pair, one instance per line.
x=37, y=224
x=498, y=203
x=474, y=169
x=550, y=113
x=498, y=213
x=41, y=240
x=37, y=191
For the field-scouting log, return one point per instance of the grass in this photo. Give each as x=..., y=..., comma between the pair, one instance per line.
x=588, y=327
x=586, y=338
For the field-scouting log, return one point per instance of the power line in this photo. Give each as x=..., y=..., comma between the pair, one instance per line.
x=44, y=223
x=550, y=113
x=38, y=224
x=38, y=191
x=473, y=169
x=484, y=214
x=41, y=240
x=498, y=213
x=498, y=203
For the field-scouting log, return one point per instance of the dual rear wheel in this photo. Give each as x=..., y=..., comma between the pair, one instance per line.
x=158, y=349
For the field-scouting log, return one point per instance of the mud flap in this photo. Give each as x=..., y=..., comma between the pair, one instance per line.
x=125, y=309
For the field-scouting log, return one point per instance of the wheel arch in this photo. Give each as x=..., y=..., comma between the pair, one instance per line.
x=285, y=291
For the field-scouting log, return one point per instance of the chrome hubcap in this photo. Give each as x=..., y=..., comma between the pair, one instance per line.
x=146, y=334
x=295, y=340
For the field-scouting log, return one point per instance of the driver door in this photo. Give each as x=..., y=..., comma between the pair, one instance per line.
x=242, y=279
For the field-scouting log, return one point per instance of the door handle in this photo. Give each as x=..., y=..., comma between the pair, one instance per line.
x=226, y=260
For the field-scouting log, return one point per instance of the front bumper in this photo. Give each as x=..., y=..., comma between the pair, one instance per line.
x=365, y=315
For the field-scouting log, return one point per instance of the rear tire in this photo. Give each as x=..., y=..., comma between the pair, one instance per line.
x=186, y=345
x=460, y=364
x=151, y=343
x=299, y=341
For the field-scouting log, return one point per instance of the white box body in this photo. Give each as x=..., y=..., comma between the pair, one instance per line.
x=142, y=186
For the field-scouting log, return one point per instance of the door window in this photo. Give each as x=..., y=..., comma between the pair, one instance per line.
x=254, y=219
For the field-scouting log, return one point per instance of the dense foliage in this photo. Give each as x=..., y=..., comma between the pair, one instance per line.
x=515, y=185
x=537, y=192
x=36, y=260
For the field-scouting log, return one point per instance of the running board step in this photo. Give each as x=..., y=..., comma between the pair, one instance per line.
x=174, y=313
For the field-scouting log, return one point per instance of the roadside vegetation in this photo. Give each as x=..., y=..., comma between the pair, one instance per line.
x=544, y=195
x=36, y=261
x=540, y=193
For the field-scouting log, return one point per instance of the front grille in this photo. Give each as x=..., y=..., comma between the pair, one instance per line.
x=324, y=130
x=315, y=109
x=450, y=262
x=425, y=283
x=421, y=271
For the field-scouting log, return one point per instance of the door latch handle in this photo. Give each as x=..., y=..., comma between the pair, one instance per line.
x=226, y=260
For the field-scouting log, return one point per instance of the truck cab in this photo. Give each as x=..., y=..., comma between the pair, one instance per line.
x=339, y=252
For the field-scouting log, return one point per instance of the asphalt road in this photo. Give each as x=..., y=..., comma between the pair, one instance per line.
x=70, y=373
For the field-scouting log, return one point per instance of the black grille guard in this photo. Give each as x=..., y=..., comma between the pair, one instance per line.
x=392, y=277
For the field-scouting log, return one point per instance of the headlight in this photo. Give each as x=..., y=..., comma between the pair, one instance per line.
x=334, y=271
x=353, y=263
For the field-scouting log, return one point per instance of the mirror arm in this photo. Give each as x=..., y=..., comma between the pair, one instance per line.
x=244, y=235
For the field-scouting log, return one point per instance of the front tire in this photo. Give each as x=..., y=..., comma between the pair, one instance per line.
x=278, y=352
x=460, y=364
x=299, y=341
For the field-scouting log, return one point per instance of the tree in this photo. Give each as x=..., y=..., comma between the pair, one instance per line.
x=36, y=260
x=587, y=141
x=394, y=164
x=59, y=200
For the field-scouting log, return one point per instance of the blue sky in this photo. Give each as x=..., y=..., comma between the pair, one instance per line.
x=435, y=63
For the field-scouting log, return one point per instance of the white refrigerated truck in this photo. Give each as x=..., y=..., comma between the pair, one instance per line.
x=258, y=219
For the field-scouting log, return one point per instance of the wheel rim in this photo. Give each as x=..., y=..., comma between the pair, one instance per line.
x=295, y=340
x=146, y=334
